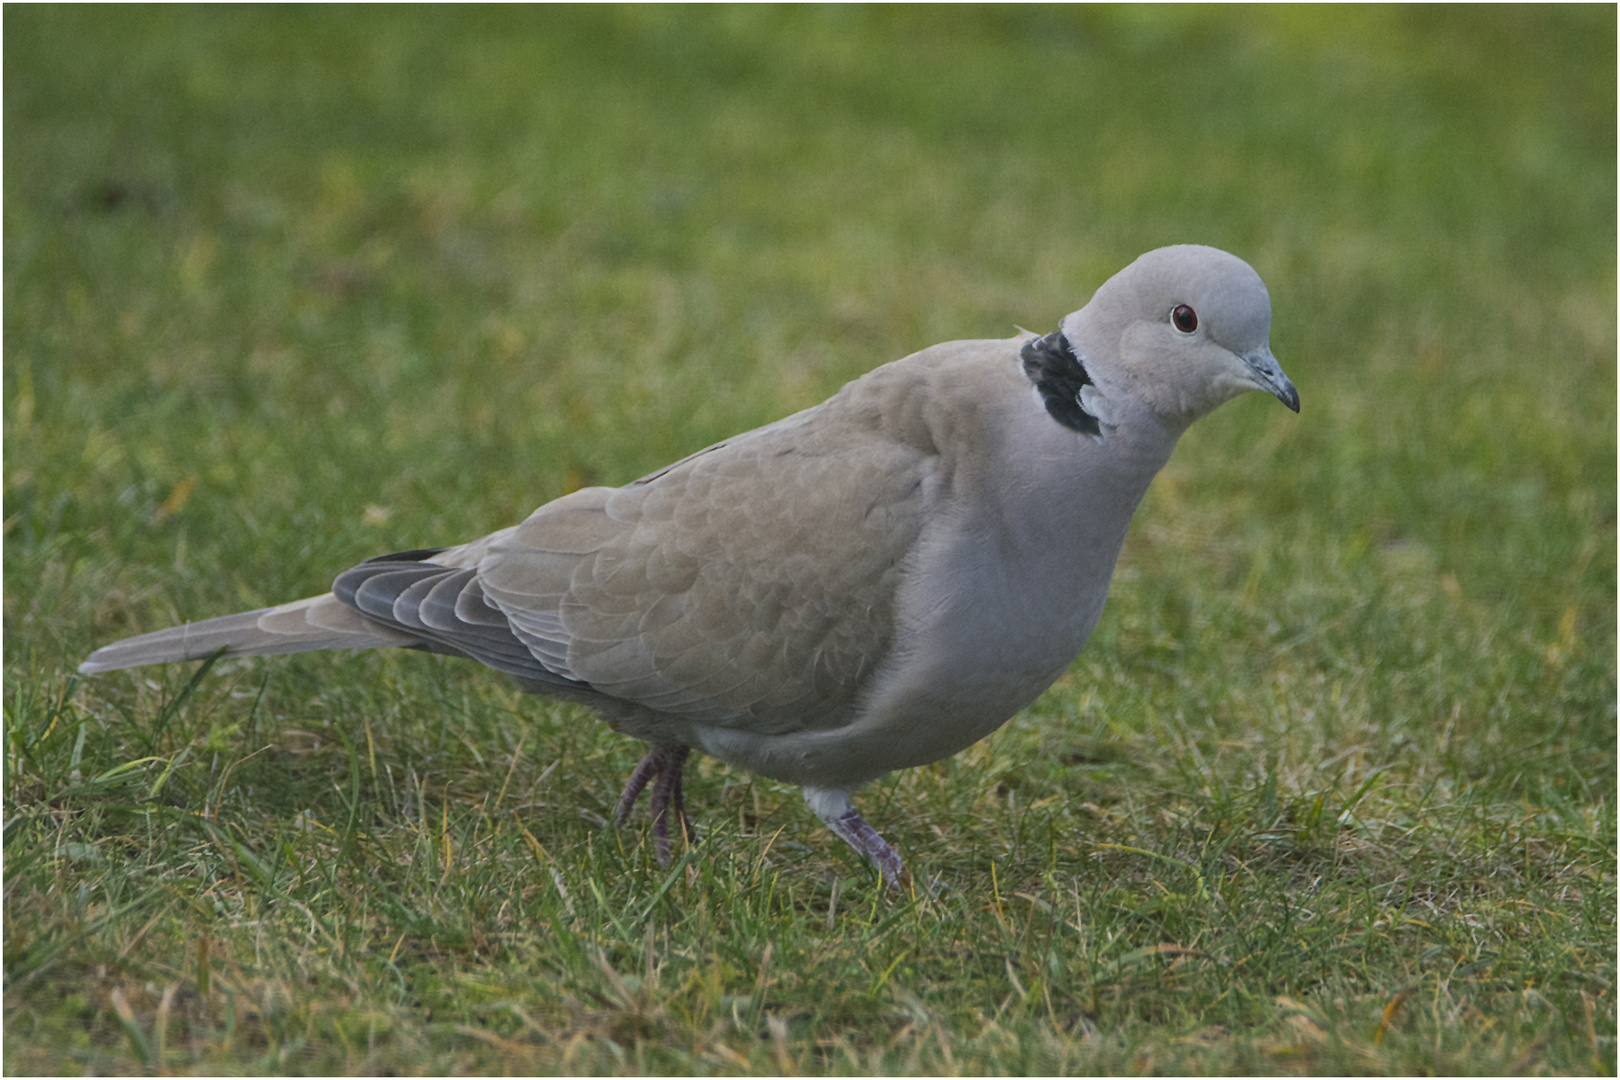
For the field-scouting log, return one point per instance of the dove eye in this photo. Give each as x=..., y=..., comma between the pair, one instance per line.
x=1184, y=318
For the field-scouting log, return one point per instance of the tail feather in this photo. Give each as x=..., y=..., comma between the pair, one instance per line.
x=320, y=622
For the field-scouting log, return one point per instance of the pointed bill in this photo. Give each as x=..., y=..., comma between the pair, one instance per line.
x=1268, y=376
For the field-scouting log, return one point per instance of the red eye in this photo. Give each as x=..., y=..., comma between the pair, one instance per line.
x=1185, y=318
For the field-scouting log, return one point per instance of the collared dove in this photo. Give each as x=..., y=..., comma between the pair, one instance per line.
x=874, y=583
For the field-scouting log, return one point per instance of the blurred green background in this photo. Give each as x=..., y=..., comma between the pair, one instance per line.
x=289, y=287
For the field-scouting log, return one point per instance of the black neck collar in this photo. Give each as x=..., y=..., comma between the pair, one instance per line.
x=1057, y=373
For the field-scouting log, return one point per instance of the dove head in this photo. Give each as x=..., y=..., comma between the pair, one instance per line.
x=1181, y=330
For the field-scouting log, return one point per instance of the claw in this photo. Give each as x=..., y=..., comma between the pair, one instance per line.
x=667, y=764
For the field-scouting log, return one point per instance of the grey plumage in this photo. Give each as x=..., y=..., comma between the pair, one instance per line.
x=874, y=583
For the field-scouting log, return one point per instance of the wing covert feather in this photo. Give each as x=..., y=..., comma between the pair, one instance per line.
x=752, y=583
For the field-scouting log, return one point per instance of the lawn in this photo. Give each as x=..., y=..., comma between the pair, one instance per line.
x=1332, y=789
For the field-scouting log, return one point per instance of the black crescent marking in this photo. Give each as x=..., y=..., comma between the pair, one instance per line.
x=1058, y=375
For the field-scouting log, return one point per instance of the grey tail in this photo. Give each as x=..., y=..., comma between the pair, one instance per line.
x=320, y=622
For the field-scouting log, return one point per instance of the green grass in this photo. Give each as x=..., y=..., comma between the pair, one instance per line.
x=1331, y=790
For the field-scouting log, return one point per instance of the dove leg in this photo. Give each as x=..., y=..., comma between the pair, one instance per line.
x=645, y=770
x=834, y=808
x=667, y=764
x=667, y=798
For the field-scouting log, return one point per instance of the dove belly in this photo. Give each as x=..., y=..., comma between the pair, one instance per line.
x=947, y=693
x=974, y=655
